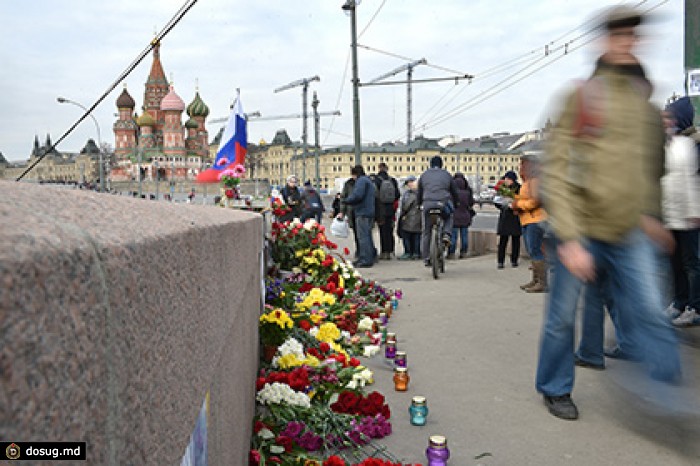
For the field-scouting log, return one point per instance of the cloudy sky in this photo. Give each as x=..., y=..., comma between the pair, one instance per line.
x=76, y=49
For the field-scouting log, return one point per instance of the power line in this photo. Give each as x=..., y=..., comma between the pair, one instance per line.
x=164, y=32
x=369, y=23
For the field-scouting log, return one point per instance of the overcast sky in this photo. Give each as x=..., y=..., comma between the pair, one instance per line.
x=76, y=48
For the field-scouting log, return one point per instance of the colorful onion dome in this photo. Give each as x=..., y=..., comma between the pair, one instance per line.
x=145, y=120
x=125, y=100
x=191, y=123
x=197, y=107
x=172, y=101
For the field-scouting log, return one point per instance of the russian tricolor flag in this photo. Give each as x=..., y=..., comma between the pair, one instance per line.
x=232, y=148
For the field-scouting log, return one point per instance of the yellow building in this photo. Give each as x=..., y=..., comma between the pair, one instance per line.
x=484, y=159
x=57, y=166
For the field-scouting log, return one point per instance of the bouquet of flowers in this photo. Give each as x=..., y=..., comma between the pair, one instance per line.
x=273, y=327
x=504, y=190
x=230, y=178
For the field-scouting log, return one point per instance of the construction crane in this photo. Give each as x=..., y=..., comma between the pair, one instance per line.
x=258, y=117
x=408, y=68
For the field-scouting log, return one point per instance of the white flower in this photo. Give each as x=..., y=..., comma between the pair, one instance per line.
x=352, y=385
x=371, y=350
x=291, y=346
x=310, y=224
x=277, y=393
x=365, y=324
x=266, y=434
x=314, y=331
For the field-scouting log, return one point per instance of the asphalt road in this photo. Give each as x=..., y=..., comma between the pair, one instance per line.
x=471, y=339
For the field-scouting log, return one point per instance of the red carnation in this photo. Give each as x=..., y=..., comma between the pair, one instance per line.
x=366, y=408
x=348, y=401
x=305, y=325
x=354, y=362
x=324, y=347
x=260, y=383
x=376, y=398
x=306, y=287
x=254, y=458
x=346, y=251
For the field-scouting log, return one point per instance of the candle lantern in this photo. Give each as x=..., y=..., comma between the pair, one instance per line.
x=390, y=350
x=400, y=359
x=418, y=411
x=401, y=379
x=437, y=452
x=383, y=319
x=391, y=337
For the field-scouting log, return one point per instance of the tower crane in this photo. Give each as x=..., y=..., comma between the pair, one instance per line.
x=408, y=68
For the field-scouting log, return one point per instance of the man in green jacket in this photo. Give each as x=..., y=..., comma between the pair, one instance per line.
x=600, y=186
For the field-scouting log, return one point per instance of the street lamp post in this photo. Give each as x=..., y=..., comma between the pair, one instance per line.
x=350, y=6
x=63, y=100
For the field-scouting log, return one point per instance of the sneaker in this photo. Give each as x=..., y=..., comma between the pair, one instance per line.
x=562, y=407
x=616, y=352
x=688, y=318
x=405, y=257
x=588, y=365
x=672, y=312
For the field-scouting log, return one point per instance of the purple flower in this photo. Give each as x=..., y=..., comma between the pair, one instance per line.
x=310, y=441
x=293, y=429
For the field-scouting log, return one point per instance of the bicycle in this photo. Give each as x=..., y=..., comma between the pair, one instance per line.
x=437, y=247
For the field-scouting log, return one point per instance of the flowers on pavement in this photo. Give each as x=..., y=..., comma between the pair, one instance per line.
x=312, y=409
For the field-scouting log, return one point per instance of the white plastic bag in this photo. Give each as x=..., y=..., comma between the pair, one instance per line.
x=339, y=228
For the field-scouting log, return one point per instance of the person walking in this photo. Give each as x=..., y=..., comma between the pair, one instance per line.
x=387, y=198
x=600, y=185
x=409, y=224
x=292, y=197
x=681, y=209
x=436, y=188
x=347, y=212
x=532, y=217
x=508, y=222
x=363, y=201
x=462, y=217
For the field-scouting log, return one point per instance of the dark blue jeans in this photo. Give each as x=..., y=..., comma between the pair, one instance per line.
x=686, y=269
x=411, y=242
x=463, y=233
x=533, y=233
x=363, y=228
x=632, y=268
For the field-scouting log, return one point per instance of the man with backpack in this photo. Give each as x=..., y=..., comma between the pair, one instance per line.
x=311, y=203
x=387, y=201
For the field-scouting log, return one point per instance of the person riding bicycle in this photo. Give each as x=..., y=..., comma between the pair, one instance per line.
x=436, y=189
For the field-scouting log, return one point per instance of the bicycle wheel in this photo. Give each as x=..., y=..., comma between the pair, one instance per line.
x=442, y=256
x=435, y=251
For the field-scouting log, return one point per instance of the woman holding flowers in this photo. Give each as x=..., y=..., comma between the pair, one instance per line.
x=508, y=222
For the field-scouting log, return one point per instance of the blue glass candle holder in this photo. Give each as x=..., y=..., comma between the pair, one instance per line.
x=418, y=411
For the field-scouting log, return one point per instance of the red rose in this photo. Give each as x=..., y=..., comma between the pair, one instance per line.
x=334, y=461
x=259, y=384
x=376, y=398
x=229, y=193
x=385, y=411
x=366, y=408
x=276, y=459
x=324, y=347
x=349, y=401
x=346, y=251
x=306, y=287
x=354, y=362
x=258, y=426
x=314, y=352
x=314, y=241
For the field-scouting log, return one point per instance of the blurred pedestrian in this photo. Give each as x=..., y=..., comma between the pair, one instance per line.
x=409, y=225
x=681, y=209
x=600, y=185
x=462, y=217
x=532, y=217
x=508, y=221
x=335, y=206
x=348, y=212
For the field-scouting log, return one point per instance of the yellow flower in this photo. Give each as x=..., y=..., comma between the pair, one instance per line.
x=302, y=252
x=311, y=463
x=311, y=361
x=328, y=332
x=316, y=318
x=288, y=361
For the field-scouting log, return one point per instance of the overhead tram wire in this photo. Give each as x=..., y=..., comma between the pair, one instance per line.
x=164, y=32
x=479, y=98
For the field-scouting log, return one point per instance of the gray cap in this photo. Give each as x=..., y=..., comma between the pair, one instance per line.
x=409, y=179
x=621, y=16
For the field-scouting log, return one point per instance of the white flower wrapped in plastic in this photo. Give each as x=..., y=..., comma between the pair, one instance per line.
x=277, y=393
x=365, y=324
x=371, y=350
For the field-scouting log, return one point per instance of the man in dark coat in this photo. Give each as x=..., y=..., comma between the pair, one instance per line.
x=387, y=196
x=508, y=222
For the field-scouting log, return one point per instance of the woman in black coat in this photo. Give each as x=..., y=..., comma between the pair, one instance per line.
x=508, y=221
x=462, y=218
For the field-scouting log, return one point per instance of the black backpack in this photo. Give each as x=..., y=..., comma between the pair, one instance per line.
x=387, y=191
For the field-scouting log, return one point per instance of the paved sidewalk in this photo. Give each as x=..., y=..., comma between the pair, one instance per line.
x=471, y=340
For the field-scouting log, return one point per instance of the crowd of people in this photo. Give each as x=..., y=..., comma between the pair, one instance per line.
x=610, y=215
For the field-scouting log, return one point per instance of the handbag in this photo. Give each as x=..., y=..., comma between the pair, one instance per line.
x=339, y=228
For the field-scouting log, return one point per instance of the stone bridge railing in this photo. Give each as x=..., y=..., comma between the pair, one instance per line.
x=119, y=315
